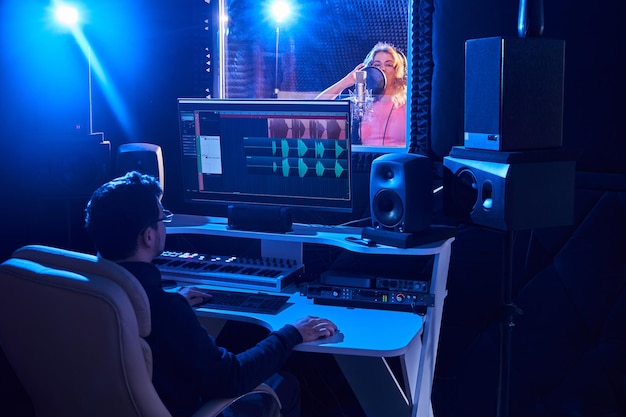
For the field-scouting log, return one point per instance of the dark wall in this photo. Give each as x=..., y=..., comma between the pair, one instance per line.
x=567, y=346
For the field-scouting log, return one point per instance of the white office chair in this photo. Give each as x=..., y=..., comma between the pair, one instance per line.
x=72, y=327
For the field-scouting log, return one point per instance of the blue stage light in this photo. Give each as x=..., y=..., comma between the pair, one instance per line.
x=280, y=10
x=66, y=15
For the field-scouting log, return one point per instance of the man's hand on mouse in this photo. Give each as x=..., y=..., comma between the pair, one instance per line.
x=312, y=328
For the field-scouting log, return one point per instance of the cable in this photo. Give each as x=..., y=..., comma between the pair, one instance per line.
x=387, y=123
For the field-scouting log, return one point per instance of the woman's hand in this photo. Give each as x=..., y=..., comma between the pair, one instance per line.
x=334, y=90
x=350, y=78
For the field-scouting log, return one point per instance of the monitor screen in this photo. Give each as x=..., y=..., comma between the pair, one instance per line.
x=283, y=153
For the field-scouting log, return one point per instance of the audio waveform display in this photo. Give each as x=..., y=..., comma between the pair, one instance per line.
x=306, y=128
x=296, y=157
x=295, y=148
x=293, y=154
x=297, y=167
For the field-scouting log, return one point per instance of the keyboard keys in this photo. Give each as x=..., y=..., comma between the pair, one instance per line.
x=262, y=273
x=244, y=301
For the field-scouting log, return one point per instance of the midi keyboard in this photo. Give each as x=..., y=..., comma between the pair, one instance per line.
x=262, y=273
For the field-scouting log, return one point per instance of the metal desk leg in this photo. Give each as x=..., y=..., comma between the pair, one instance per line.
x=374, y=385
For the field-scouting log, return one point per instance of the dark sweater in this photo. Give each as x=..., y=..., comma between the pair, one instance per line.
x=188, y=367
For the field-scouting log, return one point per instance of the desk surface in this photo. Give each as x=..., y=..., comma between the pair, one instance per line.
x=362, y=332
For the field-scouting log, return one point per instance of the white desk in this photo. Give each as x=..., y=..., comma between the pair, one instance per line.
x=366, y=336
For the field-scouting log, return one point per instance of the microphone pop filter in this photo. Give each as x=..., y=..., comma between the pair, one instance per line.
x=375, y=80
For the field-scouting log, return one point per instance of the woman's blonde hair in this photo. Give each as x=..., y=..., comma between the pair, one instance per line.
x=400, y=65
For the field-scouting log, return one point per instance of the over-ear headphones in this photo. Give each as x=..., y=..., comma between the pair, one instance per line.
x=405, y=63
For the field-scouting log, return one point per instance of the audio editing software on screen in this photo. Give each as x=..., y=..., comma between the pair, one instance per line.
x=268, y=152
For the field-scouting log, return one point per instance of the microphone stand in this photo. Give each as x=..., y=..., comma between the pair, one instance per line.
x=530, y=23
x=506, y=326
x=276, y=65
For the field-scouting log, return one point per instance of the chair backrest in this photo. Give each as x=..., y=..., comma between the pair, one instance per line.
x=72, y=327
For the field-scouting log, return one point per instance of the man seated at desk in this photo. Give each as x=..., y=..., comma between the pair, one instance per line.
x=124, y=219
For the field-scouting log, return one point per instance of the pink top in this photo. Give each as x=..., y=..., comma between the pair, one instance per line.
x=385, y=126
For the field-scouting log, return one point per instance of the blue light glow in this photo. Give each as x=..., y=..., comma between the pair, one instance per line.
x=70, y=17
x=66, y=15
x=280, y=11
x=109, y=90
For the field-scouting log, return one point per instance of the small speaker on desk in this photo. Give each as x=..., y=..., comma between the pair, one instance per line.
x=401, y=195
x=146, y=158
x=514, y=93
x=260, y=218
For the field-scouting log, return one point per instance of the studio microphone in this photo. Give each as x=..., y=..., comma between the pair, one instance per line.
x=361, y=92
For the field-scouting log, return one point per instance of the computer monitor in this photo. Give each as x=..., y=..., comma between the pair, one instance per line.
x=291, y=154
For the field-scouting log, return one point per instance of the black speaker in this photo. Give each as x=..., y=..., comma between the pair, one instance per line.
x=401, y=194
x=509, y=190
x=514, y=93
x=146, y=158
x=260, y=218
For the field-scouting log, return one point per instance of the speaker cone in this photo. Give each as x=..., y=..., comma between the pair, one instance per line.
x=466, y=191
x=387, y=206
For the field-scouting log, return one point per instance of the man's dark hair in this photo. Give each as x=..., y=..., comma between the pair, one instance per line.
x=119, y=211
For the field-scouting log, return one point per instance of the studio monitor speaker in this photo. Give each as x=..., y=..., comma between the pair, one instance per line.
x=145, y=158
x=401, y=195
x=509, y=191
x=514, y=93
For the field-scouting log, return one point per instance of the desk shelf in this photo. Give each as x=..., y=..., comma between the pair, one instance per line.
x=275, y=243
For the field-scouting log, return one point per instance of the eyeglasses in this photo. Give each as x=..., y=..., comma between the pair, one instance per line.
x=167, y=217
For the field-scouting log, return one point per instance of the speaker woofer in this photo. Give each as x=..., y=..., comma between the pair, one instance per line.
x=466, y=191
x=388, y=209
